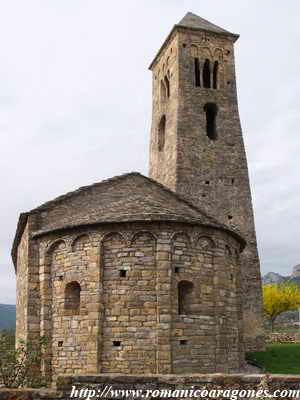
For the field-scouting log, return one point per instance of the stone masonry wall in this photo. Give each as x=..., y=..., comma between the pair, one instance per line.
x=110, y=299
x=210, y=172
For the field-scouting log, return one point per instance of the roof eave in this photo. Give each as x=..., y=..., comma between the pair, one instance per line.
x=19, y=232
x=234, y=36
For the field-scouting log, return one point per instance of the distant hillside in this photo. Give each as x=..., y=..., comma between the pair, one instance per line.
x=277, y=278
x=7, y=316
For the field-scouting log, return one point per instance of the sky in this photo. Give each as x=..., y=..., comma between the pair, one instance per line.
x=75, y=105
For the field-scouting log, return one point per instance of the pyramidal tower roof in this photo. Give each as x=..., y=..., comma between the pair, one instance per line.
x=194, y=22
x=191, y=20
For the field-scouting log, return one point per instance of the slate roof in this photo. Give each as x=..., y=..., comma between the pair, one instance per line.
x=191, y=20
x=130, y=197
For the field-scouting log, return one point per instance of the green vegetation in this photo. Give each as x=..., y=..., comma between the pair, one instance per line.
x=278, y=358
x=279, y=298
x=19, y=367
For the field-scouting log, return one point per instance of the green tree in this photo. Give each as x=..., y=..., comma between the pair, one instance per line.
x=278, y=298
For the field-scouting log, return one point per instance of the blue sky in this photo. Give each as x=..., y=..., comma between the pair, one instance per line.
x=75, y=105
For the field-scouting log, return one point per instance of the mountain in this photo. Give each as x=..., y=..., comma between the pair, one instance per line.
x=7, y=316
x=271, y=277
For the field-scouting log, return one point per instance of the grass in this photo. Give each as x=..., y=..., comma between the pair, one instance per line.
x=278, y=358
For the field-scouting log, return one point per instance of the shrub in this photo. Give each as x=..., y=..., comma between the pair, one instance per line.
x=20, y=367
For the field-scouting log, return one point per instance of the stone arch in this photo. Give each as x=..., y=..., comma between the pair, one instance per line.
x=138, y=234
x=206, y=53
x=218, y=55
x=205, y=243
x=112, y=236
x=80, y=241
x=54, y=245
x=72, y=297
x=194, y=50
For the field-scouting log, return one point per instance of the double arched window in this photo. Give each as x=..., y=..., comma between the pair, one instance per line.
x=207, y=76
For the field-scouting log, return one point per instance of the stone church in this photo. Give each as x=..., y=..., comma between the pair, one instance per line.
x=142, y=275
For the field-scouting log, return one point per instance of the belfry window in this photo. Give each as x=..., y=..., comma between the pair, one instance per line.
x=185, y=297
x=206, y=74
x=161, y=133
x=215, y=75
x=211, y=111
x=197, y=72
x=72, y=297
x=163, y=91
x=167, y=85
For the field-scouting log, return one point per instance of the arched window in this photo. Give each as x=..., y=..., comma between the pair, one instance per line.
x=206, y=74
x=167, y=85
x=163, y=92
x=72, y=297
x=215, y=75
x=197, y=72
x=211, y=110
x=161, y=133
x=185, y=297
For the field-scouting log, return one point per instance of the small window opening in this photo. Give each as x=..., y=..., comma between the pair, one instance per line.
x=231, y=277
x=167, y=84
x=228, y=52
x=215, y=75
x=230, y=217
x=185, y=297
x=116, y=343
x=207, y=182
x=183, y=45
x=61, y=278
x=177, y=270
x=204, y=195
x=232, y=180
x=206, y=74
x=60, y=344
x=197, y=72
x=161, y=133
x=123, y=273
x=163, y=91
x=72, y=297
x=211, y=110
x=183, y=342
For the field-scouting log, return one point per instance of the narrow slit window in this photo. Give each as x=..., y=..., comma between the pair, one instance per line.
x=215, y=75
x=167, y=85
x=116, y=343
x=72, y=297
x=161, y=133
x=185, y=297
x=197, y=72
x=123, y=273
x=211, y=110
x=206, y=74
x=163, y=91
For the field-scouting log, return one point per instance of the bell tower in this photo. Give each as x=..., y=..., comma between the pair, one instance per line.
x=197, y=147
